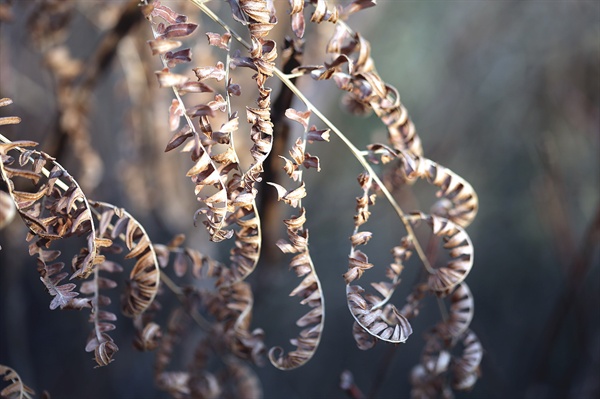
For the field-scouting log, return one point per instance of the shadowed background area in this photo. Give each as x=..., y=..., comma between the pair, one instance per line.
x=504, y=93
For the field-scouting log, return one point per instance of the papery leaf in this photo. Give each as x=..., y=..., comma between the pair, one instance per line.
x=175, y=114
x=215, y=39
x=178, y=57
x=217, y=72
x=195, y=87
x=178, y=30
x=156, y=9
x=324, y=13
x=291, y=197
x=317, y=135
x=162, y=46
x=297, y=116
x=170, y=79
x=364, y=340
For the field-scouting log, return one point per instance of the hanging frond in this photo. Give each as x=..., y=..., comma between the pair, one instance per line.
x=440, y=370
x=241, y=379
x=461, y=313
x=372, y=313
x=309, y=290
x=57, y=207
x=466, y=368
x=116, y=223
x=459, y=246
x=463, y=203
x=99, y=341
x=173, y=382
x=64, y=296
x=15, y=389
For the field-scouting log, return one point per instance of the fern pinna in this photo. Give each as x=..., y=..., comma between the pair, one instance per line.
x=230, y=148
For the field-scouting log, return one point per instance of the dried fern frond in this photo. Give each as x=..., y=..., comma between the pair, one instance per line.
x=309, y=289
x=116, y=223
x=99, y=341
x=440, y=371
x=16, y=389
x=372, y=313
x=176, y=383
x=463, y=202
x=460, y=314
x=466, y=367
x=206, y=172
x=54, y=210
x=241, y=379
x=233, y=203
x=311, y=294
x=232, y=306
x=366, y=89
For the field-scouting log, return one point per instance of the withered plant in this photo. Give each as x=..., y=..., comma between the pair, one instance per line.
x=223, y=116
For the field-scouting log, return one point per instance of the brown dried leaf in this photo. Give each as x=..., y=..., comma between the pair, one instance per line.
x=170, y=79
x=156, y=9
x=178, y=30
x=317, y=135
x=364, y=340
x=297, y=116
x=162, y=46
x=356, y=6
x=215, y=39
x=217, y=72
x=178, y=57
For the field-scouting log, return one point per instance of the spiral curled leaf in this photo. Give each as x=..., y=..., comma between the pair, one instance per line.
x=309, y=290
x=386, y=324
x=366, y=89
x=461, y=312
x=463, y=199
x=466, y=368
x=459, y=246
x=372, y=313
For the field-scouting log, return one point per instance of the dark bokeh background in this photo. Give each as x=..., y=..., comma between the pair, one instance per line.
x=505, y=93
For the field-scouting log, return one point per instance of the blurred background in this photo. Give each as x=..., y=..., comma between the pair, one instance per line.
x=504, y=93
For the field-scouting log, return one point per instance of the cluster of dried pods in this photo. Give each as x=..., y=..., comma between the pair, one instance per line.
x=54, y=207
